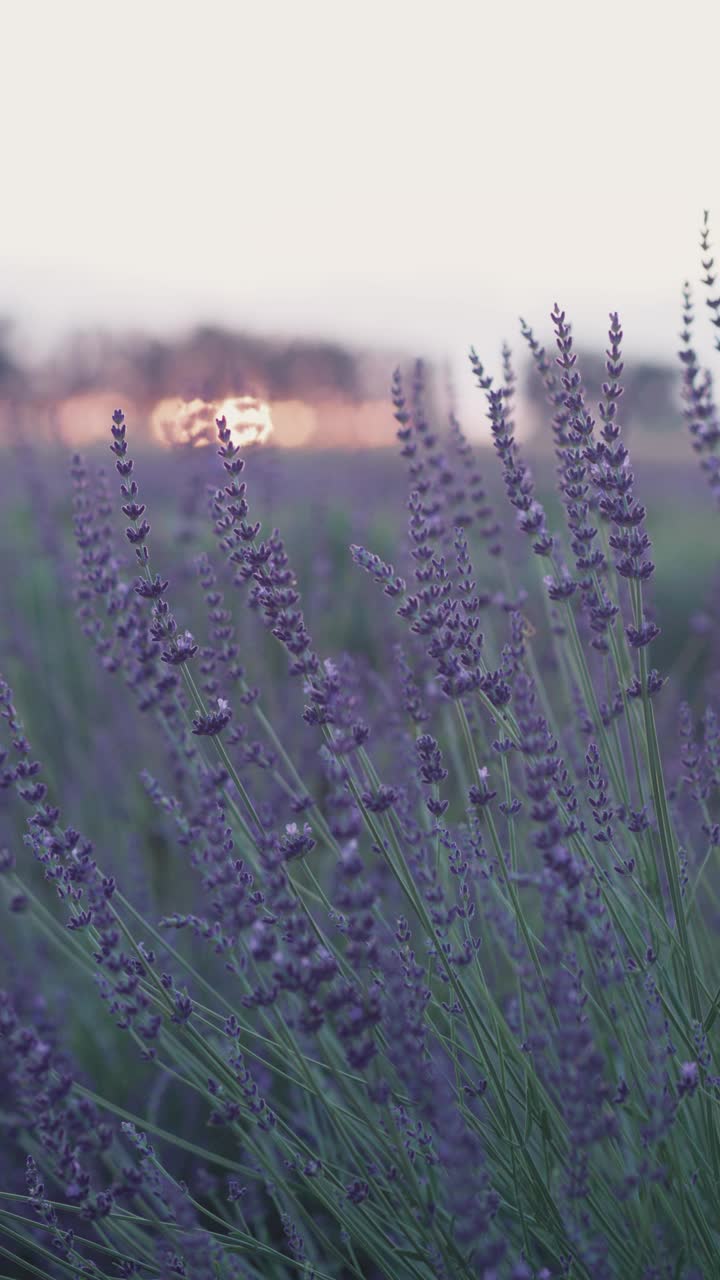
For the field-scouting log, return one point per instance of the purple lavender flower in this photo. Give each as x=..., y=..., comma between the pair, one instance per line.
x=213, y=722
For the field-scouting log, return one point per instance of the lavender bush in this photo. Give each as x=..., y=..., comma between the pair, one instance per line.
x=416, y=975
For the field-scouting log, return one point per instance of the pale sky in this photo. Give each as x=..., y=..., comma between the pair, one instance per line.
x=415, y=173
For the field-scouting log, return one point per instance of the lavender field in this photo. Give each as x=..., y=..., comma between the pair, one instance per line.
x=358, y=847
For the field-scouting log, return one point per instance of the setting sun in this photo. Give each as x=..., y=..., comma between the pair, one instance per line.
x=175, y=421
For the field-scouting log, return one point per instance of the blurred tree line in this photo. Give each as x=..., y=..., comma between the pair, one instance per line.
x=652, y=391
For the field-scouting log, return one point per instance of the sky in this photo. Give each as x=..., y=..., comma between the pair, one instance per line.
x=417, y=174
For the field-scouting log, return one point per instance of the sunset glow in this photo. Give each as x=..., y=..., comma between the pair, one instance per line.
x=295, y=422
x=174, y=421
x=331, y=422
x=82, y=419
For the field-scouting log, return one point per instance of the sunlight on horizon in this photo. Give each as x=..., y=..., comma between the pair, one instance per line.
x=82, y=420
x=174, y=421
